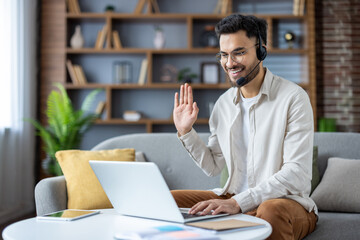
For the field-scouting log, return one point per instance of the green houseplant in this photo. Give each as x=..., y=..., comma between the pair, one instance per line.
x=66, y=126
x=186, y=76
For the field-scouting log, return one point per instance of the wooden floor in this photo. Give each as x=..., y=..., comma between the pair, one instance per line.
x=2, y=227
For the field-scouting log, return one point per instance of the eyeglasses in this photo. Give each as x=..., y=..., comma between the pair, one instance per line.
x=236, y=56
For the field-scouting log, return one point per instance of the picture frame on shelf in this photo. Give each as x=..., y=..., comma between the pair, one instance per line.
x=210, y=73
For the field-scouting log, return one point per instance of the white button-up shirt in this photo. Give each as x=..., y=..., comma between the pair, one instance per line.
x=279, y=156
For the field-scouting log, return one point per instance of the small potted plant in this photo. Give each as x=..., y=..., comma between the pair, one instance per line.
x=186, y=76
x=109, y=8
x=66, y=126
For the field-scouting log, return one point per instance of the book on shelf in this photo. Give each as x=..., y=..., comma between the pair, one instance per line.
x=223, y=7
x=302, y=8
x=155, y=5
x=299, y=7
x=71, y=70
x=100, y=108
x=143, y=70
x=139, y=7
x=116, y=39
x=152, y=5
x=80, y=74
x=100, y=40
x=296, y=7
x=73, y=6
x=97, y=39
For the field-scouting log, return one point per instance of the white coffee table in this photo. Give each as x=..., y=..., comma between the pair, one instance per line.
x=106, y=224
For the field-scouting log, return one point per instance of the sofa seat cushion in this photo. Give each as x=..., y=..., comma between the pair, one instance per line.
x=339, y=189
x=83, y=188
x=335, y=225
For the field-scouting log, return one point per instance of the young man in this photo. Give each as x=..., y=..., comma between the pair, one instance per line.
x=261, y=128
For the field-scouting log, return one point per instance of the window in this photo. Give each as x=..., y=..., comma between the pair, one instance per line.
x=7, y=60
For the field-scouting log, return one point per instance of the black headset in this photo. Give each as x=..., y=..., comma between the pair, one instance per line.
x=261, y=51
x=260, y=54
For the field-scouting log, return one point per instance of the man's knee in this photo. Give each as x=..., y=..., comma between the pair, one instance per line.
x=274, y=211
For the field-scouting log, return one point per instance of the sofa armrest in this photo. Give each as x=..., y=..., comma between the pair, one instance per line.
x=50, y=195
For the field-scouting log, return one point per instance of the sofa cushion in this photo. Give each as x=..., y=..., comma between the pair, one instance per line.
x=339, y=189
x=83, y=188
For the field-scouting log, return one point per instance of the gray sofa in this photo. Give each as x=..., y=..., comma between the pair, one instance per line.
x=180, y=172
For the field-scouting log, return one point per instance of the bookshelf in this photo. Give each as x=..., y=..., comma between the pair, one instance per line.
x=182, y=49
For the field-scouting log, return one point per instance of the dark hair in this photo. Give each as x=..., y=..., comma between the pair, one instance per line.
x=250, y=24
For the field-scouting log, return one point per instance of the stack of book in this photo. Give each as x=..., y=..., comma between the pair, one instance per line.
x=102, y=36
x=131, y=116
x=76, y=73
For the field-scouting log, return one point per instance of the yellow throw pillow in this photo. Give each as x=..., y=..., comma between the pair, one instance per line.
x=83, y=188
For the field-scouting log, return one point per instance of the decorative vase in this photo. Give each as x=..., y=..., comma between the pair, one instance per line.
x=159, y=39
x=77, y=40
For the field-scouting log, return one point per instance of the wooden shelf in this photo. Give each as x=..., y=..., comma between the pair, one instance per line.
x=171, y=16
x=147, y=86
x=169, y=51
x=143, y=121
x=143, y=51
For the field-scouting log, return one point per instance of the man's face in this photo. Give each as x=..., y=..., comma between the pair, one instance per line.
x=243, y=51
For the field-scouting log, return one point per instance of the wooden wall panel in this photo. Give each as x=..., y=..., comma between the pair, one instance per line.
x=52, y=52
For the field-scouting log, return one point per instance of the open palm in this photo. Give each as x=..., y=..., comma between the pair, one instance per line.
x=185, y=110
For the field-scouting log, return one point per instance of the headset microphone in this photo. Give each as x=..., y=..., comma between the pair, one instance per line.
x=244, y=80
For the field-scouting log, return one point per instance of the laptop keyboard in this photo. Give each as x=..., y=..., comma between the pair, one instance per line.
x=187, y=215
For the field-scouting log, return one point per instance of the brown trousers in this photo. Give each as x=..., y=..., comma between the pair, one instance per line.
x=289, y=219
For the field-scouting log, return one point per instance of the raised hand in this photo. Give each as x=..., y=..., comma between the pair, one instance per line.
x=185, y=110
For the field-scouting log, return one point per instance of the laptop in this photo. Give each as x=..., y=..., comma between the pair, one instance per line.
x=138, y=189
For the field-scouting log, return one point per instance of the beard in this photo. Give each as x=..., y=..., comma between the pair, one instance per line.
x=249, y=78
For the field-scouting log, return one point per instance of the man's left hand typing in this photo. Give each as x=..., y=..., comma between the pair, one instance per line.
x=216, y=206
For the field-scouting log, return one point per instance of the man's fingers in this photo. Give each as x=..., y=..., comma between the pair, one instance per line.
x=208, y=209
x=190, y=95
x=182, y=94
x=198, y=207
x=186, y=93
x=195, y=110
x=218, y=210
x=176, y=100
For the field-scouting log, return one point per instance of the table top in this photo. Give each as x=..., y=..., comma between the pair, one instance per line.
x=108, y=223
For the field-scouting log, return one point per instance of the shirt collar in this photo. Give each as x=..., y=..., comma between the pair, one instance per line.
x=266, y=85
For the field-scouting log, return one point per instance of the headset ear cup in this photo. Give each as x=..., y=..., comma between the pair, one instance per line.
x=261, y=53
